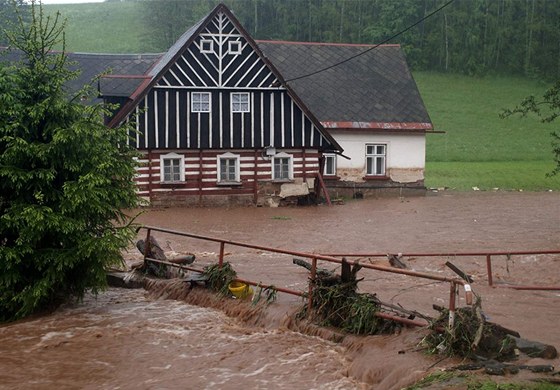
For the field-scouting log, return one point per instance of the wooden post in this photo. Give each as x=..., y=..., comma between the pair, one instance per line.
x=452, y=295
x=221, y=258
x=311, y=282
x=489, y=270
x=324, y=188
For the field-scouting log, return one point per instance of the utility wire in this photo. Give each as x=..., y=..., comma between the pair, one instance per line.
x=374, y=47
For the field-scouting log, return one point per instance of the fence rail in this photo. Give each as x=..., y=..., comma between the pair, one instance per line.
x=454, y=283
x=488, y=255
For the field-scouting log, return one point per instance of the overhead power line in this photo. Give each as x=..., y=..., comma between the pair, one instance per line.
x=373, y=47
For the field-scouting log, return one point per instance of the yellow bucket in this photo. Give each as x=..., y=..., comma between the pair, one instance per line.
x=240, y=290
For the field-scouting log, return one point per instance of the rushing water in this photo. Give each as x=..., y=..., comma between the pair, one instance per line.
x=122, y=340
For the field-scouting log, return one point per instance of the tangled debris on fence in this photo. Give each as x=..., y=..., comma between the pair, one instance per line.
x=471, y=335
x=336, y=303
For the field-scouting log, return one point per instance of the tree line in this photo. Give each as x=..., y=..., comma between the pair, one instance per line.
x=473, y=37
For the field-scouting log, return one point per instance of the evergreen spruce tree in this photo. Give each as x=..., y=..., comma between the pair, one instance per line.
x=65, y=178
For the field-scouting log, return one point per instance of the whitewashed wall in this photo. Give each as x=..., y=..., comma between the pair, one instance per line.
x=406, y=155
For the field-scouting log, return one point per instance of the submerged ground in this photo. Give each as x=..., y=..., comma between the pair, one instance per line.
x=443, y=222
x=124, y=339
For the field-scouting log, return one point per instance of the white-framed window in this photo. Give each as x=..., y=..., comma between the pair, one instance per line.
x=200, y=102
x=207, y=46
x=282, y=167
x=228, y=168
x=376, y=156
x=240, y=102
x=234, y=47
x=330, y=165
x=172, y=168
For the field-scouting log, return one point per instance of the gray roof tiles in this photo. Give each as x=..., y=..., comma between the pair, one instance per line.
x=376, y=86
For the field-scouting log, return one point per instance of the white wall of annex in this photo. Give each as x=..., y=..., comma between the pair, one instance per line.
x=403, y=150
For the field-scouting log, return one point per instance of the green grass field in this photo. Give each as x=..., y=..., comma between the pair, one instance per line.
x=478, y=148
x=102, y=27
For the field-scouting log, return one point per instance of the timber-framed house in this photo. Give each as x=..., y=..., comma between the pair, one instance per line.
x=217, y=124
x=223, y=119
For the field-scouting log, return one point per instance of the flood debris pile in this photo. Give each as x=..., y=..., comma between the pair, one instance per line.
x=471, y=336
x=337, y=303
x=341, y=306
x=489, y=346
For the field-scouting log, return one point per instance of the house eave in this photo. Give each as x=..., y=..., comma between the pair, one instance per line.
x=416, y=127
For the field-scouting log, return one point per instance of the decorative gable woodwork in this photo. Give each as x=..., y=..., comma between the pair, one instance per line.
x=219, y=57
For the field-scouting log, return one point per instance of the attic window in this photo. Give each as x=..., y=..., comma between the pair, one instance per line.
x=200, y=102
x=207, y=46
x=240, y=102
x=234, y=47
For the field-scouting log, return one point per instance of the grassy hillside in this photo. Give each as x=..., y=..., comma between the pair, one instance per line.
x=102, y=27
x=478, y=149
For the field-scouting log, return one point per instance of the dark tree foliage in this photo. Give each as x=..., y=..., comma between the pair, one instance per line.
x=65, y=179
x=474, y=37
x=547, y=108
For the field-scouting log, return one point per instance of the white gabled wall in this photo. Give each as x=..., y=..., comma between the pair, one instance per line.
x=406, y=155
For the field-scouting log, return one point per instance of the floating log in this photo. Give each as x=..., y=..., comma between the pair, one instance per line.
x=155, y=251
x=459, y=272
x=186, y=259
x=321, y=272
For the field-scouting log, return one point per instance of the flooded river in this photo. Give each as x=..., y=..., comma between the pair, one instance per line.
x=126, y=339
x=122, y=340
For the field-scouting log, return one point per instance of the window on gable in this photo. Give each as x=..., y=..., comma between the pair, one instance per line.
x=172, y=168
x=234, y=47
x=330, y=165
x=200, y=102
x=376, y=156
x=207, y=46
x=282, y=167
x=240, y=102
x=228, y=168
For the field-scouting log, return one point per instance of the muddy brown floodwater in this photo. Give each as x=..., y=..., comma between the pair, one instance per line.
x=125, y=339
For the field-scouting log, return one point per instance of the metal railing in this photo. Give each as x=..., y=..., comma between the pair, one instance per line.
x=487, y=254
x=454, y=283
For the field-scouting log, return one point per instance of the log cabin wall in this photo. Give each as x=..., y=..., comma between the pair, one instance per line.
x=200, y=184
